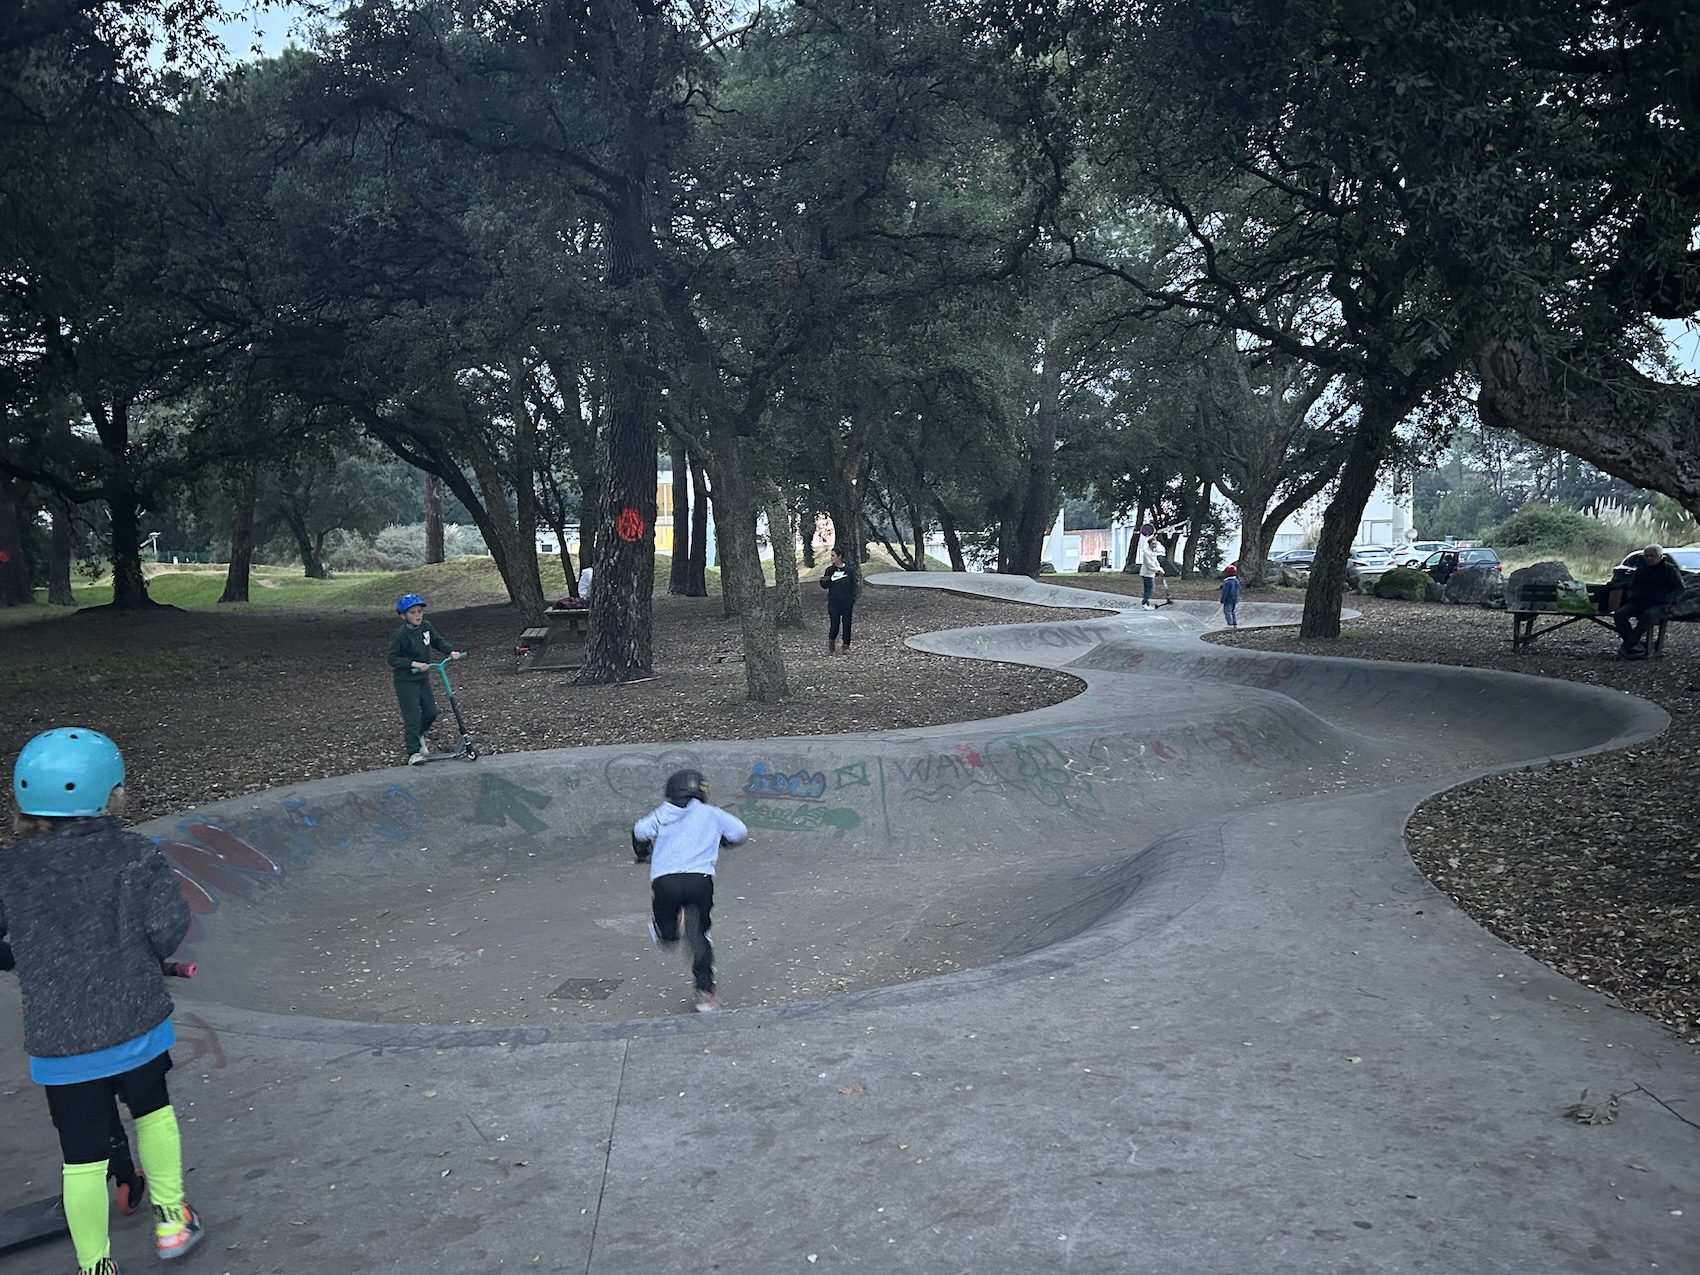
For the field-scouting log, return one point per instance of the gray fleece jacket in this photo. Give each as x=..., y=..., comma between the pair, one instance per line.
x=90, y=912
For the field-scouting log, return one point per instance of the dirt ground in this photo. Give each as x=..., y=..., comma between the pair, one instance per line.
x=214, y=704
x=1592, y=867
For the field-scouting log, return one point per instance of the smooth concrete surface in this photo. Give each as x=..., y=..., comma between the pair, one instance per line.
x=1141, y=982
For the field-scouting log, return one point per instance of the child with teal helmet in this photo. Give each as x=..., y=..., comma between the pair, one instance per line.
x=90, y=911
x=410, y=667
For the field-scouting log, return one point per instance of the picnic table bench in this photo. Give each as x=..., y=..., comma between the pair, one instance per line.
x=557, y=643
x=1540, y=600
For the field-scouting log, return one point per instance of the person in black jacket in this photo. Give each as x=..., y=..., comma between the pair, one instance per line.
x=90, y=911
x=410, y=666
x=1654, y=586
x=842, y=586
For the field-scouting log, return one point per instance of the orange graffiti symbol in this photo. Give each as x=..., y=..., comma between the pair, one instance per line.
x=629, y=526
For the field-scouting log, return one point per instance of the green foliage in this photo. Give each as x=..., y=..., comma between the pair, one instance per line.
x=1549, y=527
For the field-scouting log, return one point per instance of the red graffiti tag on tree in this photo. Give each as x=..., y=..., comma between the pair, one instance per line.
x=629, y=526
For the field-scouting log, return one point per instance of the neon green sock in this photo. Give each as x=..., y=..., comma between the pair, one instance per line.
x=86, y=1211
x=161, y=1150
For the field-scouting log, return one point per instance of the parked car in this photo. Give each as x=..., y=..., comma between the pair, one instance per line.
x=1370, y=561
x=1687, y=561
x=1294, y=557
x=1413, y=553
x=1460, y=558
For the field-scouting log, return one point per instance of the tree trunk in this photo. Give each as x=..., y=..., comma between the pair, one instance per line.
x=1036, y=515
x=1254, y=545
x=1643, y=431
x=952, y=539
x=787, y=592
x=434, y=548
x=806, y=523
x=741, y=578
x=59, y=559
x=919, y=527
x=679, y=573
x=14, y=573
x=311, y=567
x=123, y=503
x=243, y=490
x=1378, y=417
x=696, y=584
x=723, y=532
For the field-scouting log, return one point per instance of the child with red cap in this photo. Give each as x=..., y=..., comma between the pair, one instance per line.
x=1231, y=596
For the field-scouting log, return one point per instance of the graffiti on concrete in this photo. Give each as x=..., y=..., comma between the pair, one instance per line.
x=803, y=785
x=852, y=776
x=1039, y=768
x=215, y=862
x=501, y=801
x=641, y=777
x=937, y=776
x=759, y=813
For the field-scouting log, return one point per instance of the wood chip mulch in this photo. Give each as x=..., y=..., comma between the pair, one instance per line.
x=210, y=705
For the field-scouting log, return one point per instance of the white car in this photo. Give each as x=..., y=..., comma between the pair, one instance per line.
x=1412, y=554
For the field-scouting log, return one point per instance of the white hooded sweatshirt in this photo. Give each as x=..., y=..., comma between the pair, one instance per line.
x=687, y=838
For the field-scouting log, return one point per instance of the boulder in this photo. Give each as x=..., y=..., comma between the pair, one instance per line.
x=1293, y=577
x=1433, y=591
x=1687, y=607
x=1354, y=581
x=1548, y=575
x=1404, y=584
x=1475, y=586
x=1088, y=566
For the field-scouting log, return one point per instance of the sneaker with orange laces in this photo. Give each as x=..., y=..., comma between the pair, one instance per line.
x=176, y=1230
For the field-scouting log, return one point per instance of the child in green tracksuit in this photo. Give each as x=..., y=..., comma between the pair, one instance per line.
x=90, y=911
x=410, y=662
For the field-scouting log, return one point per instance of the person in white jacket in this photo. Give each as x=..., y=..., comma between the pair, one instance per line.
x=1149, y=565
x=680, y=840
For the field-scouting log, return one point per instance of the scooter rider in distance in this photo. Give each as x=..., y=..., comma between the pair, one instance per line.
x=680, y=840
x=410, y=663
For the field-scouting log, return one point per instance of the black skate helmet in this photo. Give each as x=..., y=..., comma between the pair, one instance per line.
x=682, y=785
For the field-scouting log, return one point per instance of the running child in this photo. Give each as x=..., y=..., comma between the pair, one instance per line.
x=410, y=662
x=680, y=840
x=1231, y=596
x=90, y=911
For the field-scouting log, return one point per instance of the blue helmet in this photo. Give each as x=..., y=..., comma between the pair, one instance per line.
x=67, y=773
x=408, y=600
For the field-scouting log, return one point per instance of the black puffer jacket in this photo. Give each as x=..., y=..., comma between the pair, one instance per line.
x=90, y=911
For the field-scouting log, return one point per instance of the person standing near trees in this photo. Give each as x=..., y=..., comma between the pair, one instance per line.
x=410, y=662
x=842, y=586
x=1149, y=566
x=91, y=911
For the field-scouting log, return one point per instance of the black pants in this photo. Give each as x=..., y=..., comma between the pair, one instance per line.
x=693, y=892
x=1633, y=622
x=85, y=1116
x=838, y=612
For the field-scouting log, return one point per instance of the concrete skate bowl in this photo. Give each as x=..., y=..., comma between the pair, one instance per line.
x=504, y=892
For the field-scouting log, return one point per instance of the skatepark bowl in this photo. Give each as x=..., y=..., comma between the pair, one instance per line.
x=505, y=893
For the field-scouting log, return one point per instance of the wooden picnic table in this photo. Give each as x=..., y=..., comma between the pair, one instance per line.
x=1541, y=600
x=558, y=643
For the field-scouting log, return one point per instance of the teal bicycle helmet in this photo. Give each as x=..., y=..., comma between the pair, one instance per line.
x=68, y=773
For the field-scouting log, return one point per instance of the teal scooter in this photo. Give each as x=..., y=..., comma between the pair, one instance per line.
x=465, y=750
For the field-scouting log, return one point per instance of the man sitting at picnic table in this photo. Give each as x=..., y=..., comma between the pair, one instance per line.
x=1653, y=588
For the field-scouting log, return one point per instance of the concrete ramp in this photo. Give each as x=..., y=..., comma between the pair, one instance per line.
x=1144, y=982
x=504, y=891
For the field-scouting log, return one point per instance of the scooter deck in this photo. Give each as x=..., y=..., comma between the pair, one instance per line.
x=32, y=1223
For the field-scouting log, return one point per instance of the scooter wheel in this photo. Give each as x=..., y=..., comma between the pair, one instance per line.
x=471, y=754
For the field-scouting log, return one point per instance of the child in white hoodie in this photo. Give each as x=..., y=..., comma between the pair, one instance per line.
x=680, y=840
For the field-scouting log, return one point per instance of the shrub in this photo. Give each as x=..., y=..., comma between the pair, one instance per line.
x=1403, y=583
x=1552, y=527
